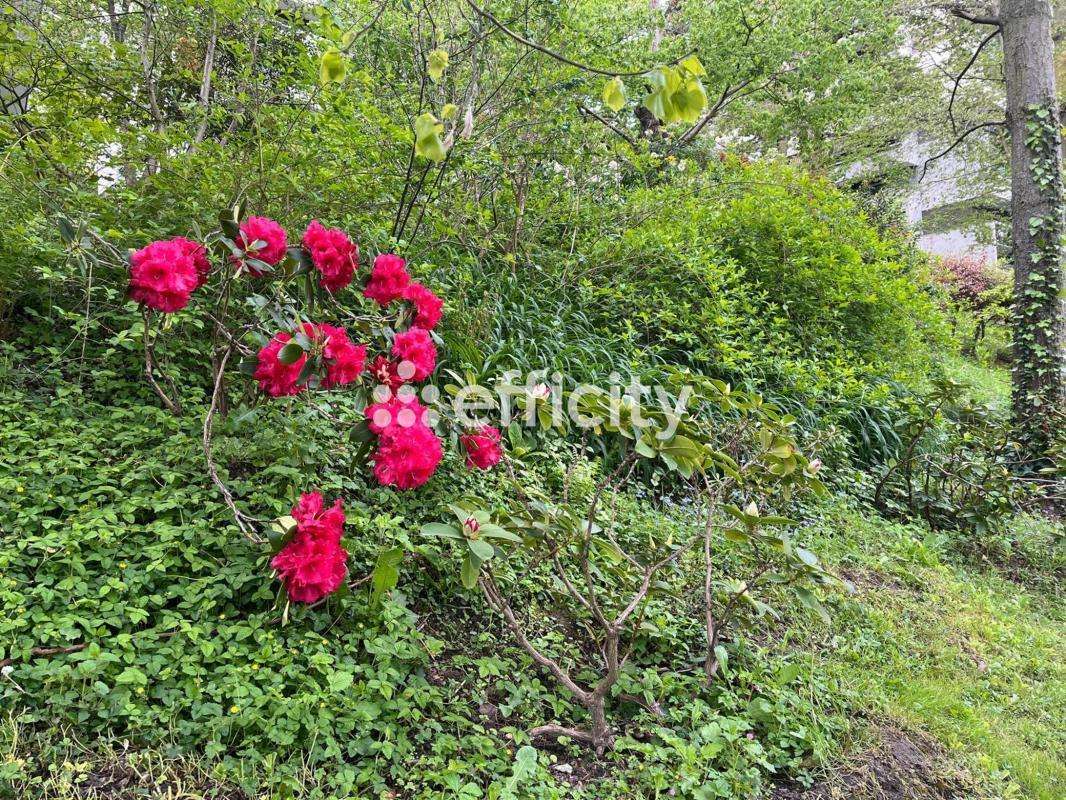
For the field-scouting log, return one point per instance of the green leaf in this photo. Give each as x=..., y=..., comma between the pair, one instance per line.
x=480, y=548
x=132, y=675
x=449, y=110
x=290, y=353
x=436, y=64
x=808, y=598
x=441, y=529
x=339, y=680
x=788, y=673
x=428, y=143
x=692, y=65
x=332, y=66
x=386, y=573
x=614, y=94
x=807, y=557
x=496, y=532
x=470, y=570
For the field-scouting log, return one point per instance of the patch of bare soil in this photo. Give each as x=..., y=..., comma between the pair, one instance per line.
x=902, y=766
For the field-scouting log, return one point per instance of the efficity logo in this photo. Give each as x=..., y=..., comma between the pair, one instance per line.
x=530, y=398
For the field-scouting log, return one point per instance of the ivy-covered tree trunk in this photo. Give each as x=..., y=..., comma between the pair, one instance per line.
x=1039, y=385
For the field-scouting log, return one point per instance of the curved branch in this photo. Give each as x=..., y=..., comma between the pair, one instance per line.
x=588, y=112
x=173, y=406
x=245, y=522
x=962, y=138
x=958, y=80
x=957, y=10
x=561, y=58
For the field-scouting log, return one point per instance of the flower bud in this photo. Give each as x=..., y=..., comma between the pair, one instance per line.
x=471, y=527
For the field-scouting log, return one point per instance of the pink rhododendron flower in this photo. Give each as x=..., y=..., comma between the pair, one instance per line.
x=344, y=361
x=404, y=411
x=334, y=255
x=428, y=307
x=406, y=457
x=311, y=568
x=415, y=346
x=322, y=523
x=386, y=372
x=275, y=378
x=198, y=253
x=266, y=230
x=388, y=279
x=313, y=564
x=163, y=275
x=482, y=447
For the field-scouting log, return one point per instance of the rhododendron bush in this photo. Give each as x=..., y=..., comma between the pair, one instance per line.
x=321, y=322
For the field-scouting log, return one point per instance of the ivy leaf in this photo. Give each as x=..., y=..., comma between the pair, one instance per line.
x=614, y=94
x=427, y=138
x=332, y=66
x=436, y=64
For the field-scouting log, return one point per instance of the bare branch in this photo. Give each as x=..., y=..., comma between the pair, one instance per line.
x=959, y=11
x=962, y=74
x=962, y=138
x=561, y=58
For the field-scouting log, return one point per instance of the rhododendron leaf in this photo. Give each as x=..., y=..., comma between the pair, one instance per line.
x=436, y=64
x=496, y=532
x=258, y=266
x=480, y=548
x=737, y=535
x=290, y=353
x=449, y=110
x=303, y=340
x=428, y=143
x=298, y=259
x=442, y=530
x=614, y=94
x=386, y=573
x=332, y=66
x=469, y=573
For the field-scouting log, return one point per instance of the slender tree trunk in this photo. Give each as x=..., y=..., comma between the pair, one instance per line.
x=1039, y=384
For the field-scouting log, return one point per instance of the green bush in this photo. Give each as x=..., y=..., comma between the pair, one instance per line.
x=764, y=273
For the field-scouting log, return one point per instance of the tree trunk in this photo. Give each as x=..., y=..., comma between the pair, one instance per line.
x=1039, y=385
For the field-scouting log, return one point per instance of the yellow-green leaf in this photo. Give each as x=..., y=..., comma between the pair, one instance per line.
x=428, y=143
x=614, y=94
x=692, y=65
x=436, y=64
x=449, y=111
x=332, y=66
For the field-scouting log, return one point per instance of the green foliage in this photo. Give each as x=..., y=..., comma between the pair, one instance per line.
x=114, y=538
x=764, y=274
